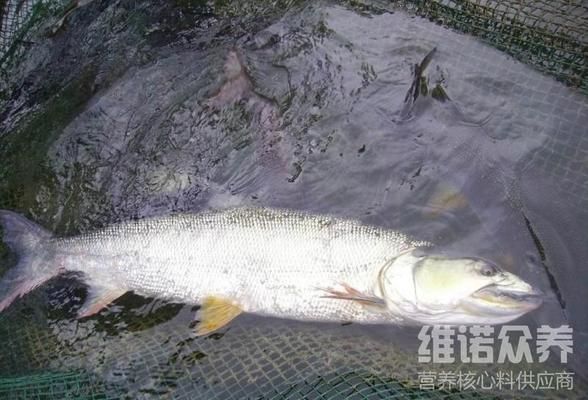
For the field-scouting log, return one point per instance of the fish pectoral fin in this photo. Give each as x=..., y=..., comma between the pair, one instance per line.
x=349, y=293
x=215, y=313
x=98, y=298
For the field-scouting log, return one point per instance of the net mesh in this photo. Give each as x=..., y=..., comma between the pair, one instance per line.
x=262, y=361
x=550, y=35
x=157, y=356
x=14, y=16
x=273, y=360
x=69, y=385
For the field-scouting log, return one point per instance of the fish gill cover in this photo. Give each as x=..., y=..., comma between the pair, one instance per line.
x=105, y=118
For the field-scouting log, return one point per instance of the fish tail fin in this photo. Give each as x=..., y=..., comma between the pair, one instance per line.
x=35, y=264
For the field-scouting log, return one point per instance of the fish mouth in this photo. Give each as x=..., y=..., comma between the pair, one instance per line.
x=509, y=298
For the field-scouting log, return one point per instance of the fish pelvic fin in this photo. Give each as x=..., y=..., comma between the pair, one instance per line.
x=349, y=293
x=98, y=298
x=35, y=265
x=215, y=313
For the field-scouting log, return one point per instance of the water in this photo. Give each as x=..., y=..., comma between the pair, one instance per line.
x=498, y=171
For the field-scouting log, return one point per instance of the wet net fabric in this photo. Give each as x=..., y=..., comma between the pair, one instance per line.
x=550, y=35
x=251, y=360
x=15, y=14
x=151, y=352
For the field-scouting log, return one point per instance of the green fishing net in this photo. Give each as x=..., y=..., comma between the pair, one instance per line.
x=550, y=35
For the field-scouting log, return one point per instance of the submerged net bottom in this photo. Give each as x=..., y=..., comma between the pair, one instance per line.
x=158, y=355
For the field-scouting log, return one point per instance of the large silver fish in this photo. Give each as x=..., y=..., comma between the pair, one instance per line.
x=269, y=262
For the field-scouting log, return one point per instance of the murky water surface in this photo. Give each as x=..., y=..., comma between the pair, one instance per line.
x=154, y=122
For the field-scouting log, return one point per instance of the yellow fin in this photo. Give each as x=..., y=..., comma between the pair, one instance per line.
x=215, y=313
x=446, y=198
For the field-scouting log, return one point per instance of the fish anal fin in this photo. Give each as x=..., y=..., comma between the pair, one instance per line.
x=97, y=299
x=215, y=313
x=350, y=293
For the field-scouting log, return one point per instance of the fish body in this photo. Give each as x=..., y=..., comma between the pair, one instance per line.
x=270, y=262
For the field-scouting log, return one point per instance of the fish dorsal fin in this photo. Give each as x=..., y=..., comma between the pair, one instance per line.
x=215, y=313
x=98, y=298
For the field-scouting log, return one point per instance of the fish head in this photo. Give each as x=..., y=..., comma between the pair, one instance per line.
x=440, y=290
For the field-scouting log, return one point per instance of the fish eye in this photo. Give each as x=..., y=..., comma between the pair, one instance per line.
x=488, y=270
